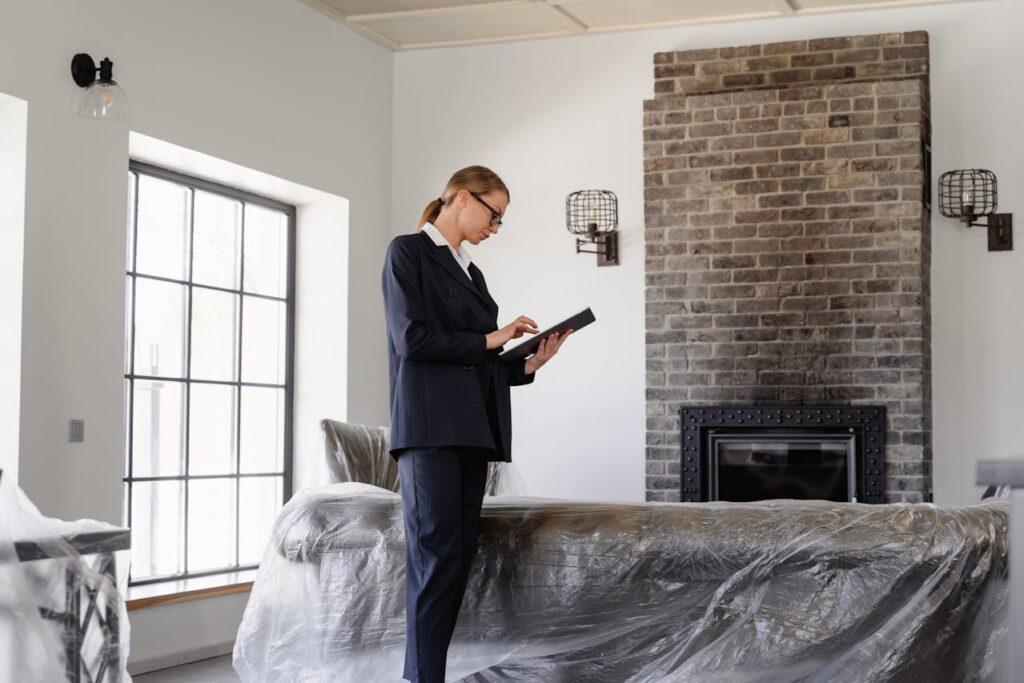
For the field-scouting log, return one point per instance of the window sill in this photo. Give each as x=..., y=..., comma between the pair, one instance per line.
x=184, y=590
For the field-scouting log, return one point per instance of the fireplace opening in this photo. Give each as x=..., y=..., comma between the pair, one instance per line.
x=749, y=453
x=760, y=466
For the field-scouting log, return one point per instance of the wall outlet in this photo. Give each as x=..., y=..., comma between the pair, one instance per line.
x=76, y=431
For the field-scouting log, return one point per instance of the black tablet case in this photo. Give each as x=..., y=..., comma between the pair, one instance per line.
x=575, y=323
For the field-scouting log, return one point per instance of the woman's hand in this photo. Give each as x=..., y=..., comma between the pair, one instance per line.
x=548, y=347
x=515, y=329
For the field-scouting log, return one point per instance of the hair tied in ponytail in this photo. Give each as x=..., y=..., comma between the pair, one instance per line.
x=478, y=179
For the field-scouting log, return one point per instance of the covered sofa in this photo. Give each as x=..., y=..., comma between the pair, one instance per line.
x=572, y=591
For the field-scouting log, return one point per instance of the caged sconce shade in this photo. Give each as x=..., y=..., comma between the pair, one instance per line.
x=594, y=216
x=970, y=194
x=101, y=97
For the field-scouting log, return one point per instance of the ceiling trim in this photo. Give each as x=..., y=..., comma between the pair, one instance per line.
x=333, y=13
x=454, y=9
x=571, y=21
x=485, y=41
x=770, y=14
x=574, y=25
x=877, y=5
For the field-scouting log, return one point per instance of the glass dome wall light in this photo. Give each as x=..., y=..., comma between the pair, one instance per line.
x=101, y=97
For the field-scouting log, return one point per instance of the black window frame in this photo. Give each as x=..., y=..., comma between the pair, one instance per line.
x=192, y=183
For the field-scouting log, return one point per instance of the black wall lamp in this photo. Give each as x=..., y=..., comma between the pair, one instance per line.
x=594, y=214
x=969, y=194
x=101, y=97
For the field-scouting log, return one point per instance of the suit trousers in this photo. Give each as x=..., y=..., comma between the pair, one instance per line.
x=442, y=491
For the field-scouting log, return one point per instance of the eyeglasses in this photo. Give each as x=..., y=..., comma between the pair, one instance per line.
x=495, y=216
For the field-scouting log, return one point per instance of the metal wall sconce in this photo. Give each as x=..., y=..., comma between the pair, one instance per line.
x=969, y=194
x=101, y=97
x=594, y=214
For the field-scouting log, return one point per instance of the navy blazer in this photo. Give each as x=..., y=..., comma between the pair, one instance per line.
x=439, y=367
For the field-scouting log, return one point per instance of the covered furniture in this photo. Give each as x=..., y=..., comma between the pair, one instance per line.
x=62, y=584
x=605, y=591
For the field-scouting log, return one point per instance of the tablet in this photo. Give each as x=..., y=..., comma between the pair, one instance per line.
x=575, y=323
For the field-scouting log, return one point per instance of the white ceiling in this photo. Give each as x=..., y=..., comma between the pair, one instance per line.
x=412, y=24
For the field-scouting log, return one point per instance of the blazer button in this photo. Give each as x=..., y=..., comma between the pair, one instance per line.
x=467, y=367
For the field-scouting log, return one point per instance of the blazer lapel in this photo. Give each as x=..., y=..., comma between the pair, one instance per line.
x=444, y=258
x=478, y=279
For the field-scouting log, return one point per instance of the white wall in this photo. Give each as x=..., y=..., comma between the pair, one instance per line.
x=565, y=114
x=13, y=115
x=13, y=120
x=267, y=84
x=169, y=635
x=550, y=117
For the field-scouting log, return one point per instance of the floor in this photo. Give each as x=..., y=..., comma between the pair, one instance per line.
x=216, y=670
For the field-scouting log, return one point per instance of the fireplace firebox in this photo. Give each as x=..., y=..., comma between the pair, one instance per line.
x=816, y=452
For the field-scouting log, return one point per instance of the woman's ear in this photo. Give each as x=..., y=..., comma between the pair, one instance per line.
x=463, y=197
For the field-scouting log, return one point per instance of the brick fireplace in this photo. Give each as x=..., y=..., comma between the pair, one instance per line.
x=787, y=240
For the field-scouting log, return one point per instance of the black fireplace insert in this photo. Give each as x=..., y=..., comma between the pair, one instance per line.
x=811, y=452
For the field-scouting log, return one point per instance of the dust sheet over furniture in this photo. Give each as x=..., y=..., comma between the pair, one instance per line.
x=602, y=591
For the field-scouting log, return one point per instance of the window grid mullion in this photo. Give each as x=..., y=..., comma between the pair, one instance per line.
x=188, y=363
x=219, y=382
x=238, y=398
x=286, y=462
x=226, y=290
x=194, y=575
x=131, y=350
x=198, y=477
x=204, y=185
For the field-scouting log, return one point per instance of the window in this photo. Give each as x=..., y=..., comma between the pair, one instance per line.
x=208, y=373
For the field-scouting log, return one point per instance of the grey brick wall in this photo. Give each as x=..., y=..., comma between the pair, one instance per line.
x=787, y=239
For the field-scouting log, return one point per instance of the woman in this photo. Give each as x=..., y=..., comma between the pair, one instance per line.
x=450, y=409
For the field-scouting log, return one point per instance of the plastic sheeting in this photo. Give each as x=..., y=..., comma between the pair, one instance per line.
x=360, y=453
x=38, y=558
x=599, y=591
x=591, y=591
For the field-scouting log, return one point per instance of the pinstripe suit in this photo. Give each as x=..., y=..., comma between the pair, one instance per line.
x=450, y=414
x=440, y=370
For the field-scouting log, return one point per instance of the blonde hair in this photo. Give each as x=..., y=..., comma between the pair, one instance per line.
x=478, y=179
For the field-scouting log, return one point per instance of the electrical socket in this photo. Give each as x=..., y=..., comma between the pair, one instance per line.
x=76, y=431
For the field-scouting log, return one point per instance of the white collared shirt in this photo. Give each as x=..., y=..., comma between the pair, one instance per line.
x=461, y=256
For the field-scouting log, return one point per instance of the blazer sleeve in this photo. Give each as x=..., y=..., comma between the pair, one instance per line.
x=415, y=337
x=517, y=375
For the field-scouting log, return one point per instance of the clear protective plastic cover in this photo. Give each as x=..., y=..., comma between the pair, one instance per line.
x=603, y=591
x=61, y=595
